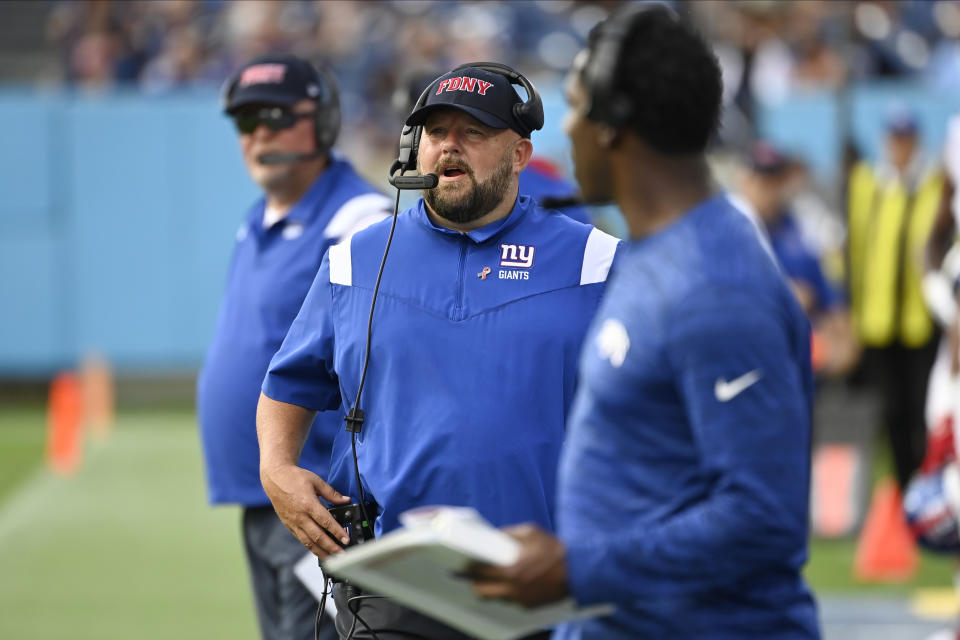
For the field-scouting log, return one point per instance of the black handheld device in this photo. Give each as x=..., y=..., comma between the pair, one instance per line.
x=351, y=517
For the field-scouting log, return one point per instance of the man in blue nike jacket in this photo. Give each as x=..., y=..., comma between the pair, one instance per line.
x=481, y=313
x=683, y=483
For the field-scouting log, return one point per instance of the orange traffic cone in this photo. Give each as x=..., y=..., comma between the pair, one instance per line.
x=834, y=507
x=64, y=424
x=96, y=381
x=819, y=350
x=886, y=550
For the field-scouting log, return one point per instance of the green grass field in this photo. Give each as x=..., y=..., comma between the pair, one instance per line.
x=128, y=548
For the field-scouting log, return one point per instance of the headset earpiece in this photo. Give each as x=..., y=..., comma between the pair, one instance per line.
x=410, y=140
x=530, y=111
x=607, y=103
x=327, y=119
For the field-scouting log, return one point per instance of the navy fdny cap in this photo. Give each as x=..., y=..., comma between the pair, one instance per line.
x=272, y=80
x=488, y=97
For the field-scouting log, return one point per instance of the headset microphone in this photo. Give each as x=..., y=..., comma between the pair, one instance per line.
x=287, y=158
x=419, y=182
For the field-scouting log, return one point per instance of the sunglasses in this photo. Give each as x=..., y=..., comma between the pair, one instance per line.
x=275, y=119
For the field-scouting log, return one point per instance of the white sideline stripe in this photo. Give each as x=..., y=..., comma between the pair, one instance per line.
x=357, y=213
x=37, y=494
x=30, y=497
x=341, y=271
x=597, y=256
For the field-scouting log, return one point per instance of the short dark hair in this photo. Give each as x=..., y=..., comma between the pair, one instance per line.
x=672, y=80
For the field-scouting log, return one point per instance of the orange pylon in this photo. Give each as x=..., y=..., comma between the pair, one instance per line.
x=886, y=550
x=96, y=382
x=64, y=424
x=833, y=499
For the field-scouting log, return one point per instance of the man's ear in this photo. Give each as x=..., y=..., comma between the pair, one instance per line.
x=608, y=137
x=522, y=152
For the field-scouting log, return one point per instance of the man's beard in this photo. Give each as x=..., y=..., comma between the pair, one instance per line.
x=478, y=201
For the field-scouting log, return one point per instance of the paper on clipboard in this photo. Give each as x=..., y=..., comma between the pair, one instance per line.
x=419, y=566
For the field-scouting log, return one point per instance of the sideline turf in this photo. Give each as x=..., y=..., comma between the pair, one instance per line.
x=22, y=433
x=127, y=548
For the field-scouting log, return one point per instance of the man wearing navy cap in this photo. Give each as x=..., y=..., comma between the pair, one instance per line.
x=287, y=117
x=481, y=311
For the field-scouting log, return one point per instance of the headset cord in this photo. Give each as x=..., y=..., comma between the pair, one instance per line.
x=327, y=582
x=353, y=604
x=561, y=202
x=354, y=422
x=354, y=418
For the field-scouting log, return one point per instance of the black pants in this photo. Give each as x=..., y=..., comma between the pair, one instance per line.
x=900, y=375
x=391, y=621
x=286, y=609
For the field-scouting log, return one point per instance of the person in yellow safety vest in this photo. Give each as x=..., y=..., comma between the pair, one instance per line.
x=891, y=210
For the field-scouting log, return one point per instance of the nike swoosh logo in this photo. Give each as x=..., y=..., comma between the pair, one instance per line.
x=726, y=391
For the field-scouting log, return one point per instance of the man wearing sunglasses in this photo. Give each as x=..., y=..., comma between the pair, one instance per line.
x=287, y=116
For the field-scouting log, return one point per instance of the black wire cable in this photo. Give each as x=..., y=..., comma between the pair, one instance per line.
x=354, y=422
x=353, y=604
x=561, y=202
x=355, y=417
x=353, y=626
x=355, y=600
x=327, y=582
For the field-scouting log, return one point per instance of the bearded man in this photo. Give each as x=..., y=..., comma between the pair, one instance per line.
x=482, y=308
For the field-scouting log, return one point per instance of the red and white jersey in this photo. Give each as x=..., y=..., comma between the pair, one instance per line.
x=951, y=162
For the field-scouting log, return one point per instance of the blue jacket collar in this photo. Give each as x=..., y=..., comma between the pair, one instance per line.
x=520, y=209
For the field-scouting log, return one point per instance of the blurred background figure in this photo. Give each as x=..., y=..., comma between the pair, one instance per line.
x=767, y=187
x=941, y=287
x=891, y=209
x=287, y=116
x=932, y=501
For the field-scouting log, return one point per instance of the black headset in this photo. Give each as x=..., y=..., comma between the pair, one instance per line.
x=528, y=113
x=326, y=120
x=608, y=104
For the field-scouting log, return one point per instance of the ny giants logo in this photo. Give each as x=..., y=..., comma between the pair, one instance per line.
x=464, y=83
x=263, y=74
x=516, y=255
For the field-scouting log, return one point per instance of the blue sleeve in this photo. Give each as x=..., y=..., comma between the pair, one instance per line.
x=753, y=448
x=302, y=371
x=827, y=296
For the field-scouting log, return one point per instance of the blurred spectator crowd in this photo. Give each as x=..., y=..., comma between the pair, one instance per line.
x=160, y=46
x=768, y=48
